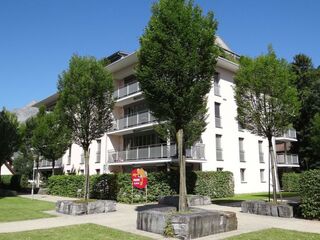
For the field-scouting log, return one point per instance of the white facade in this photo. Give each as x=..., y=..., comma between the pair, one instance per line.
x=126, y=145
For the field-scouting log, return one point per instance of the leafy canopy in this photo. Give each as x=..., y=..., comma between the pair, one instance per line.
x=85, y=99
x=176, y=65
x=265, y=94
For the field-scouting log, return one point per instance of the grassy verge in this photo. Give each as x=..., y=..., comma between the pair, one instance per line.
x=251, y=196
x=18, y=208
x=276, y=234
x=74, y=232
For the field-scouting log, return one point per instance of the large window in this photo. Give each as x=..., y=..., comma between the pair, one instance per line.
x=217, y=115
x=243, y=175
x=98, y=157
x=241, y=150
x=216, y=84
x=262, y=176
x=219, y=148
x=134, y=140
x=261, y=155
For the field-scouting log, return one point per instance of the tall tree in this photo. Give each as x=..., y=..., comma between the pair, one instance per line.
x=176, y=64
x=85, y=101
x=9, y=136
x=50, y=137
x=266, y=98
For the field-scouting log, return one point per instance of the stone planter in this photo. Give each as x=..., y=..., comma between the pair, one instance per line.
x=268, y=209
x=193, y=224
x=80, y=208
x=192, y=200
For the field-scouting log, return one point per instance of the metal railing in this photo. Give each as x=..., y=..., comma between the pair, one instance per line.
x=287, y=159
x=134, y=120
x=98, y=157
x=261, y=157
x=46, y=163
x=154, y=152
x=82, y=158
x=242, y=156
x=219, y=156
x=291, y=133
x=216, y=88
x=218, y=122
x=127, y=90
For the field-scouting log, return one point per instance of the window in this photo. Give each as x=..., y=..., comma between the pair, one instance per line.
x=98, y=171
x=262, y=178
x=98, y=158
x=217, y=114
x=218, y=148
x=216, y=84
x=242, y=175
x=81, y=172
x=219, y=169
x=261, y=155
x=241, y=151
x=82, y=158
x=69, y=155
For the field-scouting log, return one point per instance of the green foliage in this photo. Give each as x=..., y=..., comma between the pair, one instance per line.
x=291, y=182
x=310, y=194
x=266, y=97
x=9, y=136
x=118, y=186
x=50, y=137
x=168, y=231
x=14, y=182
x=176, y=64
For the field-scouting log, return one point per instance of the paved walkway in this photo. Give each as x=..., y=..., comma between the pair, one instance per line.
x=125, y=219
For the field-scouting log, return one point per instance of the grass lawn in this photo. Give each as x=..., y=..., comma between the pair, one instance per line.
x=251, y=196
x=276, y=234
x=18, y=208
x=74, y=232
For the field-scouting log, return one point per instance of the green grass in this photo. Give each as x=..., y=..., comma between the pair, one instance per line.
x=74, y=232
x=251, y=196
x=18, y=208
x=276, y=234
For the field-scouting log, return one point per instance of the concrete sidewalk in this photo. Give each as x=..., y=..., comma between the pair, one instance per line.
x=125, y=219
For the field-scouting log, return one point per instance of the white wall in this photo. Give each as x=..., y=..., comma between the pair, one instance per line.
x=5, y=170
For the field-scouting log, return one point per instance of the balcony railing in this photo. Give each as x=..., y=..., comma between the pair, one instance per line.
x=98, y=157
x=127, y=90
x=291, y=133
x=46, y=163
x=134, y=120
x=287, y=159
x=82, y=158
x=216, y=90
x=218, y=122
x=154, y=152
x=219, y=156
x=261, y=157
x=241, y=156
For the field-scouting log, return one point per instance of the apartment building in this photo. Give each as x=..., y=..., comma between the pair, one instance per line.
x=133, y=142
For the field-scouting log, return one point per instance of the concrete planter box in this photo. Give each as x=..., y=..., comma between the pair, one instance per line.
x=268, y=209
x=192, y=200
x=194, y=224
x=76, y=208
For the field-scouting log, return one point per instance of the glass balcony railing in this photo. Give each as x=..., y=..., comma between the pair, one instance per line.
x=46, y=163
x=216, y=88
x=154, y=152
x=127, y=90
x=218, y=122
x=242, y=156
x=219, y=156
x=287, y=159
x=134, y=120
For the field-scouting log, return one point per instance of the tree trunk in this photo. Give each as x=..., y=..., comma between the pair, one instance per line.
x=86, y=169
x=53, y=165
x=38, y=182
x=273, y=175
x=0, y=173
x=182, y=165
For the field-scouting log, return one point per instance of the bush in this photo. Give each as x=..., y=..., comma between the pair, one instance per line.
x=291, y=182
x=118, y=186
x=310, y=194
x=14, y=182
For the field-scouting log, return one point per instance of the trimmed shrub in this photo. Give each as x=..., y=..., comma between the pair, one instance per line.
x=291, y=182
x=310, y=194
x=118, y=186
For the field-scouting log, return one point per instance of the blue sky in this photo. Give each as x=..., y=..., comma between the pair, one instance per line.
x=38, y=37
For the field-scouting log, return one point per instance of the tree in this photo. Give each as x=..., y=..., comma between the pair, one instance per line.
x=176, y=65
x=266, y=98
x=9, y=136
x=50, y=137
x=315, y=140
x=308, y=86
x=85, y=102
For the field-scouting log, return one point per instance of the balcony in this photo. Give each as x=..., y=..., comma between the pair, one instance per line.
x=261, y=157
x=287, y=160
x=216, y=88
x=219, y=154
x=154, y=154
x=134, y=121
x=289, y=136
x=98, y=157
x=128, y=94
x=241, y=156
x=46, y=164
x=218, y=122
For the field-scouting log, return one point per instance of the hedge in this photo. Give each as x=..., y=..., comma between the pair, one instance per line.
x=118, y=186
x=14, y=182
x=291, y=182
x=310, y=194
